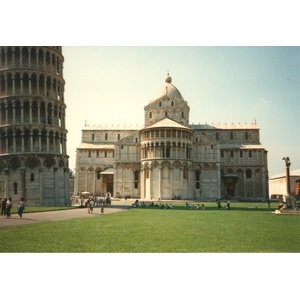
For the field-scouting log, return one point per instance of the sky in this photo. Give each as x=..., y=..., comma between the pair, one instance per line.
x=222, y=84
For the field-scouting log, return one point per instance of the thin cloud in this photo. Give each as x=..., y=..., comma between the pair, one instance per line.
x=264, y=101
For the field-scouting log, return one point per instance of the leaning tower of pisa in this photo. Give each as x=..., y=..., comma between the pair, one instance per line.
x=33, y=135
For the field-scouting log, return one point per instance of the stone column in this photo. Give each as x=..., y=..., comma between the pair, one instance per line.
x=23, y=183
x=14, y=112
x=14, y=141
x=142, y=180
x=22, y=111
x=6, y=183
x=13, y=85
x=22, y=138
x=287, y=172
x=171, y=182
x=31, y=141
x=41, y=174
x=159, y=182
x=30, y=111
x=150, y=182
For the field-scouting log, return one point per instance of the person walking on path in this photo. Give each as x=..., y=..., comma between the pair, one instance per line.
x=88, y=206
x=9, y=205
x=21, y=207
x=92, y=206
x=3, y=208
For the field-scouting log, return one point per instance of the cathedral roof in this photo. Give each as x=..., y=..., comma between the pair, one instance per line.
x=293, y=173
x=167, y=90
x=167, y=122
x=93, y=146
x=225, y=126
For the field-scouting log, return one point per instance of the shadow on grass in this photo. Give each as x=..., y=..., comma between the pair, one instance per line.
x=210, y=208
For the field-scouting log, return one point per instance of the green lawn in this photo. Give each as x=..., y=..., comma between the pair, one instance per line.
x=153, y=230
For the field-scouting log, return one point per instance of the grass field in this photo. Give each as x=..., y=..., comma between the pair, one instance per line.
x=242, y=229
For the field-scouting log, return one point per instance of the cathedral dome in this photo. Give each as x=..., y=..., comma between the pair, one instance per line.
x=167, y=90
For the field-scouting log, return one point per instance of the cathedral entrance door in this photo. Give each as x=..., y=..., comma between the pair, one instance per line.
x=229, y=183
x=230, y=190
x=110, y=187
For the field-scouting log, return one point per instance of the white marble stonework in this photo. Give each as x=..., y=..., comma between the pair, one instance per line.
x=169, y=158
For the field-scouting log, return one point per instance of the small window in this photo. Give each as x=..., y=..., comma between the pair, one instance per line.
x=90, y=153
x=217, y=136
x=250, y=154
x=241, y=154
x=231, y=154
x=159, y=103
x=150, y=114
x=248, y=173
x=211, y=146
x=172, y=103
x=32, y=177
x=118, y=136
x=93, y=136
x=182, y=114
x=15, y=188
x=246, y=136
x=231, y=135
x=136, y=179
x=105, y=154
x=106, y=136
x=98, y=175
x=197, y=175
x=97, y=153
x=185, y=173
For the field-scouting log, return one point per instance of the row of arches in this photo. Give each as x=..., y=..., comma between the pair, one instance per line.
x=31, y=162
x=166, y=133
x=23, y=111
x=22, y=140
x=248, y=172
x=17, y=83
x=45, y=58
x=175, y=150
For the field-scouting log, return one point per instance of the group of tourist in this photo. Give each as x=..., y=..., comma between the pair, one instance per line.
x=137, y=203
x=6, y=205
x=227, y=206
x=192, y=206
x=91, y=203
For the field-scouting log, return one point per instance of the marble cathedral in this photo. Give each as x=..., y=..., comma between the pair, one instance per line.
x=168, y=158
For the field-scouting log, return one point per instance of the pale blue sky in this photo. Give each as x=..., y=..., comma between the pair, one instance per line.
x=111, y=85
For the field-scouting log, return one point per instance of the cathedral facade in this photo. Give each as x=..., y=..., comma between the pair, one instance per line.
x=33, y=136
x=168, y=158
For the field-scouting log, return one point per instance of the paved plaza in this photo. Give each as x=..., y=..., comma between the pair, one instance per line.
x=58, y=215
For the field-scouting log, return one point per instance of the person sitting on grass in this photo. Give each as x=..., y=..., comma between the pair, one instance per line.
x=283, y=207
